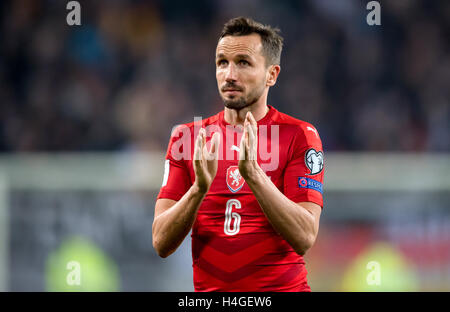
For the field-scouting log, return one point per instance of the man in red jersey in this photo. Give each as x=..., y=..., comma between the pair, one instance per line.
x=247, y=181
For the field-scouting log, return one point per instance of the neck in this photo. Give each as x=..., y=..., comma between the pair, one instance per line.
x=237, y=117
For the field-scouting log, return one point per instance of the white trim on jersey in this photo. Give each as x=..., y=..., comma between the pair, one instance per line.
x=166, y=172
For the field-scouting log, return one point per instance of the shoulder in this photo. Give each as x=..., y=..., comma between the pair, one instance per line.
x=203, y=122
x=190, y=129
x=283, y=118
x=302, y=130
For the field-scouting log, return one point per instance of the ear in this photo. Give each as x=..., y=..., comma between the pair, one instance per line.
x=273, y=72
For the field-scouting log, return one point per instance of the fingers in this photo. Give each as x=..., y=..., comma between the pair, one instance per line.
x=214, y=149
x=202, y=132
x=248, y=144
x=250, y=120
x=242, y=146
x=197, y=149
x=251, y=143
x=200, y=149
x=204, y=150
x=199, y=145
x=252, y=129
x=249, y=117
x=215, y=142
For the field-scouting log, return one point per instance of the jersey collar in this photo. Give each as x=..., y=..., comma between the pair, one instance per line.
x=264, y=121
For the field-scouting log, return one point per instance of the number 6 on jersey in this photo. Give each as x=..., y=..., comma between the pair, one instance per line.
x=229, y=215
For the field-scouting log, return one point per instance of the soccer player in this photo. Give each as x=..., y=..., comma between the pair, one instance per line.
x=247, y=181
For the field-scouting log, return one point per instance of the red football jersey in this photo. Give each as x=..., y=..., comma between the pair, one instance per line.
x=234, y=247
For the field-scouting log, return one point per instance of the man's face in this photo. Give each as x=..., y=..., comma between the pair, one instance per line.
x=241, y=72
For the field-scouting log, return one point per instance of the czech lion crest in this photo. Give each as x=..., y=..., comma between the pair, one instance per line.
x=234, y=179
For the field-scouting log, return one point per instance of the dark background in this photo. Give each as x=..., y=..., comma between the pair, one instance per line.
x=134, y=67
x=114, y=86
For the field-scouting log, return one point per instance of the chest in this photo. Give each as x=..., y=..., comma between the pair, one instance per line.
x=273, y=155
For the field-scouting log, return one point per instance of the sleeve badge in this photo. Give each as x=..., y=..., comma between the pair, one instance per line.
x=314, y=161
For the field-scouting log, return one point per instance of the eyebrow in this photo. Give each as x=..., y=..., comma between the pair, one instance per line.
x=241, y=56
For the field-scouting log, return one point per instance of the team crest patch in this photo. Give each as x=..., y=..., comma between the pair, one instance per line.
x=314, y=161
x=234, y=179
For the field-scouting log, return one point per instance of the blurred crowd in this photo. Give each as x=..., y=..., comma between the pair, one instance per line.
x=134, y=69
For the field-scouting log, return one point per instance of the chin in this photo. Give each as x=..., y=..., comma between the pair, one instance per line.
x=235, y=104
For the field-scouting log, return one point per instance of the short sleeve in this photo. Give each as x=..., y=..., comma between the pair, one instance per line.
x=176, y=180
x=303, y=178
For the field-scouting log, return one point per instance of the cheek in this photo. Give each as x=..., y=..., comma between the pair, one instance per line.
x=219, y=75
x=259, y=79
x=250, y=77
x=219, y=80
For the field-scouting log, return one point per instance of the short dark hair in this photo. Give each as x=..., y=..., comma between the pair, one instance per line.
x=272, y=42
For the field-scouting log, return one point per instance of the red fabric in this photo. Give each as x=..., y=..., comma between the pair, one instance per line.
x=255, y=258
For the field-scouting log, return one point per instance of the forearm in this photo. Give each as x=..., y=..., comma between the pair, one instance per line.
x=171, y=227
x=294, y=223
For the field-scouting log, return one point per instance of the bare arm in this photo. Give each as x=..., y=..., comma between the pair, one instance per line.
x=174, y=219
x=298, y=223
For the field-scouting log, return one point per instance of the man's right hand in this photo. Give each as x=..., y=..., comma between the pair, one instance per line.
x=205, y=162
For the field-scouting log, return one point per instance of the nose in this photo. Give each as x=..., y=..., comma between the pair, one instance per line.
x=230, y=74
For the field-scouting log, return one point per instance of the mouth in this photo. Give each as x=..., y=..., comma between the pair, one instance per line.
x=231, y=91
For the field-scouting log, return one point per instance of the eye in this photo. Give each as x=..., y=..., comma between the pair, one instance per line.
x=222, y=62
x=244, y=62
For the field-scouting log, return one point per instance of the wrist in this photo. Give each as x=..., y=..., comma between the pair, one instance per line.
x=250, y=171
x=200, y=189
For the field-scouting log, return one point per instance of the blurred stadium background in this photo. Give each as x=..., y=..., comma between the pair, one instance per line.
x=86, y=113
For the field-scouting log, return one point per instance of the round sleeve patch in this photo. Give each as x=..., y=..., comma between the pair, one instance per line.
x=314, y=161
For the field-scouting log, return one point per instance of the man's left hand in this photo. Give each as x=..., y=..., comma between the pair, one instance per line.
x=248, y=153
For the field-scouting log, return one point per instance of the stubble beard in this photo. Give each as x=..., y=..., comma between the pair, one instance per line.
x=242, y=102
